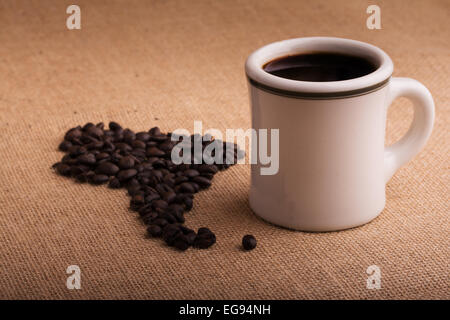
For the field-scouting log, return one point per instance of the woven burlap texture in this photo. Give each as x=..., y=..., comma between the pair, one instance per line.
x=168, y=63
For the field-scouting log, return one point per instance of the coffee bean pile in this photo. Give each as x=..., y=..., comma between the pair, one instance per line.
x=161, y=192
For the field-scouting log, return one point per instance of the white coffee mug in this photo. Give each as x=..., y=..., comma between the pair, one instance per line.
x=333, y=164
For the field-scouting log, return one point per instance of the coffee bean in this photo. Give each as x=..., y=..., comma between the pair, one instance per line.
x=72, y=134
x=207, y=168
x=202, y=181
x=155, y=152
x=114, y=183
x=128, y=136
x=154, y=230
x=123, y=147
x=159, y=204
x=65, y=145
x=63, y=169
x=149, y=217
x=107, y=168
x=82, y=177
x=187, y=187
x=137, y=200
x=95, y=145
x=169, y=196
x=154, y=131
x=114, y=126
x=248, y=242
x=99, y=179
x=94, y=132
x=78, y=169
x=75, y=151
x=138, y=144
x=160, y=222
x=124, y=175
x=143, y=136
x=87, y=158
x=191, y=173
x=170, y=233
x=161, y=192
x=203, y=230
x=126, y=162
x=87, y=126
x=152, y=196
x=204, y=239
x=181, y=242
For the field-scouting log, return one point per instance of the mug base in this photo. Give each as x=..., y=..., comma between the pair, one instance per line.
x=313, y=228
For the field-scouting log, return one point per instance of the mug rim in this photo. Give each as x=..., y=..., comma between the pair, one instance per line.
x=373, y=81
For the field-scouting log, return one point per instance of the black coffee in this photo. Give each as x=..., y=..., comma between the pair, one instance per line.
x=320, y=67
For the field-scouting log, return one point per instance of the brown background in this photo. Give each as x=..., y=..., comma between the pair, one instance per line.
x=168, y=63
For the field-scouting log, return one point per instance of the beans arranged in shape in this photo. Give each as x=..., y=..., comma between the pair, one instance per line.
x=161, y=192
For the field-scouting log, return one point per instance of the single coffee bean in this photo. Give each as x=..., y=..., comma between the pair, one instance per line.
x=75, y=151
x=170, y=233
x=152, y=196
x=160, y=222
x=133, y=190
x=128, y=136
x=114, y=183
x=203, y=230
x=126, y=162
x=138, y=144
x=204, y=241
x=145, y=209
x=137, y=200
x=102, y=156
x=124, y=175
x=107, y=168
x=155, y=152
x=149, y=217
x=87, y=158
x=207, y=168
x=154, y=230
x=202, y=181
x=72, y=134
x=249, y=242
x=169, y=196
x=160, y=204
x=63, y=169
x=99, y=179
x=181, y=179
x=87, y=126
x=94, y=132
x=78, y=169
x=187, y=187
x=123, y=147
x=165, y=215
x=95, y=145
x=191, y=173
x=181, y=242
x=114, y=126
x=65, y=145
x=154, y=131
x=143, y=136
x=82, y=178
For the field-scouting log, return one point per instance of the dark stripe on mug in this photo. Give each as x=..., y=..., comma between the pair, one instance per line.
x=318, y=95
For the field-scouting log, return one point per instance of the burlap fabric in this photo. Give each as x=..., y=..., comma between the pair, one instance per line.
x=168, y=63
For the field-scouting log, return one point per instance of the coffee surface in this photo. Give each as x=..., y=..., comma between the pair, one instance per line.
x=320, y=67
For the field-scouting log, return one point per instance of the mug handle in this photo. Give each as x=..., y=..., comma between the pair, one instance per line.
x=415, y=139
